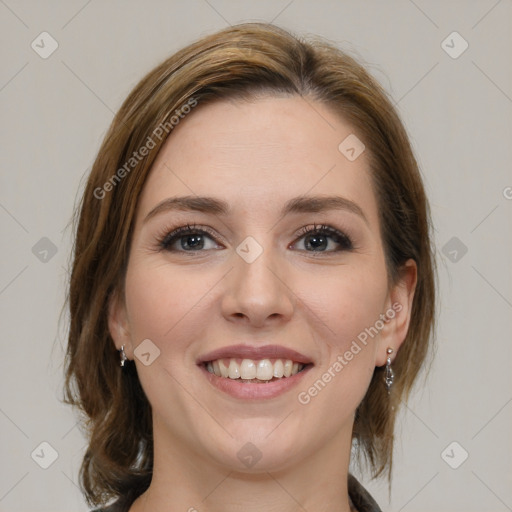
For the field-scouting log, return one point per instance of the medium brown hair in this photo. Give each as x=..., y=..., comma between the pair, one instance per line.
x=239, y=62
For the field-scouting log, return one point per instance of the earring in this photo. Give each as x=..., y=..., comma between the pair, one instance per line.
x=123, y=355
x=389, y=375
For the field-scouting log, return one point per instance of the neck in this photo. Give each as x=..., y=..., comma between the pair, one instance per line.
x=185, y=480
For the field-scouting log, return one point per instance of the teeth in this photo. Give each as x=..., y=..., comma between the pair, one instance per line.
x=265, y=370
x=224, y=370
x=248, y=369
x=234, y=370
x=278, y=369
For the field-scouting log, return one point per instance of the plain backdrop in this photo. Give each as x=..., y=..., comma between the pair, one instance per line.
x=453, y=450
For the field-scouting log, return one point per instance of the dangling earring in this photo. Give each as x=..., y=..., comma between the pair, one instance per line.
x=123, y=355
x=389, y=375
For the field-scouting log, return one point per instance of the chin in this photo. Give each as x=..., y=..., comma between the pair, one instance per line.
x=259, y=445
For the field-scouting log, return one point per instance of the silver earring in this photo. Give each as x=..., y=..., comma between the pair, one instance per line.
x=389, y=376
x=123, y=355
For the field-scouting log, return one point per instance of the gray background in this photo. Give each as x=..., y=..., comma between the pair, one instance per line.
x=55, y=112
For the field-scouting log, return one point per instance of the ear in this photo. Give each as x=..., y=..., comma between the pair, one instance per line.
x=118, y=323
x=398, y=313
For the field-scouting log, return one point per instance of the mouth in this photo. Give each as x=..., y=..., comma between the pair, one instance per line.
x=254, y=371
x=251, y=373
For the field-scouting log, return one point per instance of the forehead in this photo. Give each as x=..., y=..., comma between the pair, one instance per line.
x=258, y=154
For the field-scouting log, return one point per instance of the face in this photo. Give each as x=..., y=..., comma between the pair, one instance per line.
x=241, y=292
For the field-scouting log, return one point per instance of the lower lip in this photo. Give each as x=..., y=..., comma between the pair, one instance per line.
x=253, y=390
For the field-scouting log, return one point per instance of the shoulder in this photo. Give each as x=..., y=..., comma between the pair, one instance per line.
x=360, y=497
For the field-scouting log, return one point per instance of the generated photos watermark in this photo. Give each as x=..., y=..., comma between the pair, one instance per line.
x=342, y=360
x=144, y=150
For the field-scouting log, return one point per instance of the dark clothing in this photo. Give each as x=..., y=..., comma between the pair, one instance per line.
x=360, y=497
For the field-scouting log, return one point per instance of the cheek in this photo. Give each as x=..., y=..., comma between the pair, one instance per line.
x=346, y=302
x=164, y=306
x=161, y=300
x=350, y=307
x=359, y=307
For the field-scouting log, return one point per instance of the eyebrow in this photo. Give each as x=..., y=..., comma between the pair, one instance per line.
x=301, y=204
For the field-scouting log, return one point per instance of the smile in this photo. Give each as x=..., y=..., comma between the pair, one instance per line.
x=251, y=372
x=254, y=371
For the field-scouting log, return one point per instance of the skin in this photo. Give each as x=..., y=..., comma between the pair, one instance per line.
x=256, y=155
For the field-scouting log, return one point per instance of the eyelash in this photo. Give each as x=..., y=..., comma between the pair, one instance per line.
x=168, y=238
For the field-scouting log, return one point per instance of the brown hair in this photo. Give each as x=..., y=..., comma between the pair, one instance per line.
x=240, y=61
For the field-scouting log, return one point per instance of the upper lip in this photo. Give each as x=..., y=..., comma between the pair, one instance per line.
x=255, y=353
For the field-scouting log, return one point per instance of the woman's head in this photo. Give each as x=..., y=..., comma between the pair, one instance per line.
x=269, y=127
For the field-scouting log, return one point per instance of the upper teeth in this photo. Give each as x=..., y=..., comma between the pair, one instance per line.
x=248, y=369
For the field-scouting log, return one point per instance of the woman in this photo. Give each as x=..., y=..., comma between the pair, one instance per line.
x=252, y=293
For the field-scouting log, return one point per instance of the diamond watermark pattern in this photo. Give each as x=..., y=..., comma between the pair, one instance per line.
x=351, y=147
x=44, y=45
x=454, y=45
x=44, y=455
x=454, y=249
x=249, y=455
x=44, y=250
x=249, y=249
x=454, y=455
x=147, y=352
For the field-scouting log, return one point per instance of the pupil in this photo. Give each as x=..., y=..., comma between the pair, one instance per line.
x=196, y=239
x=314, y=241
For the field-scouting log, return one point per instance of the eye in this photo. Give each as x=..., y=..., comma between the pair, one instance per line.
x=317, y=238
x=191, y=238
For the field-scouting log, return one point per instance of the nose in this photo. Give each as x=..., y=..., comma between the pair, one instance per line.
x=258, y=293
